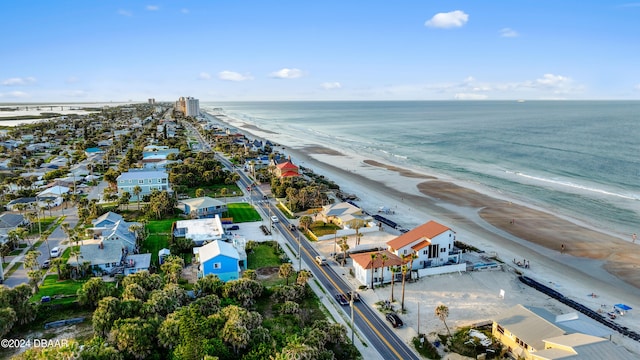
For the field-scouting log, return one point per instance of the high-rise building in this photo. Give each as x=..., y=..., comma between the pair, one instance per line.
x=188, y=106
x=152, y=101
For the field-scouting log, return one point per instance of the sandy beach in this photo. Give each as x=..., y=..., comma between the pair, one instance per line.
x=592, y=262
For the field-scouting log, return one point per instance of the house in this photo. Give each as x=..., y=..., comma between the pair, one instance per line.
x=285, y=169
x=528, y=334
x=111, y=257
x=32, y=202
x=219, y=258
x=199, y=231
x=112, y=227
x=10, y=221
x=363, y=265
x=202, y=207
x=136, y=263
x=345, y=214
x=54, y=191
x=145, y=179
x=432, y=243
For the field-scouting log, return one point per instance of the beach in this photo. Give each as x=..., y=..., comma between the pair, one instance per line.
x=595, y=268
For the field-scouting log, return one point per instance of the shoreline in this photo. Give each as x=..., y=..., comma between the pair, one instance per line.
x=603, y=261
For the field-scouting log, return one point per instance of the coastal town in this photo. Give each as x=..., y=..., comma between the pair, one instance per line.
x=152, y=230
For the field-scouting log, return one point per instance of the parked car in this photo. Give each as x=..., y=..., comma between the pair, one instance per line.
x=394, y=320
x=321, y=260
x=233, y=227
x=342, y=300
x=274, y=219
x=55, y=252
x=46, y=264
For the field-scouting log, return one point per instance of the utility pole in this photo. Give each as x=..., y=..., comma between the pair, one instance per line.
x=299, y=254
x=353, y=330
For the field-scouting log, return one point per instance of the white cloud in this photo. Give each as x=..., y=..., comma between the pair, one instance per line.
x=331, y=85
x=152, y=7
x=470, y=96
x=184, y=11
x=125, y=12
x=71, y=80
x=204, y=76
x=287, y=73
x=233, y=76
x=448, y=20
x=17, y=81
x=507, y=32
x=14, y=94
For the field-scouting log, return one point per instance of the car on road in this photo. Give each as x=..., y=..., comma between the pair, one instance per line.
x=45, y=264
x=55, y=252
x=233, y=227
x=394, y=320
x=292, y=227
x=321, y=260
x=355, y=295
x=342, y=300
x=274, y=219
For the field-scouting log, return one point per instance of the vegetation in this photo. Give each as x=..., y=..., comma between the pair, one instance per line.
x=242, y=212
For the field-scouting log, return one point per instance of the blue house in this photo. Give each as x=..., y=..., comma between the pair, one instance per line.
x=219, y=258
x=147, y=180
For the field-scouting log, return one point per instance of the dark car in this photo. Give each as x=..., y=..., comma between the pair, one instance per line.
x=394, y=320
x=233, y=227
x=342, y=300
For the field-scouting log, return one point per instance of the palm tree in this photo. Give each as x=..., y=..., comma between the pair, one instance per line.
x=344, y=246
x=394, y=270
x=137, y=190
x=303, y=277
x=373, y=266
x=285, y=271
x=442, y=312
x=384, y=259
x=404, y=270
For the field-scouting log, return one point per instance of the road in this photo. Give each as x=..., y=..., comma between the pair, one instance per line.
x=366, y=319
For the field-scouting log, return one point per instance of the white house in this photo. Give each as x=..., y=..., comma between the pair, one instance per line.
x=431, y=242
x=364, y=264
x=199, y=230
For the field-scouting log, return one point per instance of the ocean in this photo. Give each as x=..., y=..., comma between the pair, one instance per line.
x=579, y=159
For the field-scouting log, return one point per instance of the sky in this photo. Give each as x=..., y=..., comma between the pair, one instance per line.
x=236, y=50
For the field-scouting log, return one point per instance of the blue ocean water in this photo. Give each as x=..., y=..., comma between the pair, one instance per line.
x=578, y=158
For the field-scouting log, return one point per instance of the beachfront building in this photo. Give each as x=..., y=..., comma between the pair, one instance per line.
x=202, y=207
x=433, y=246
x=366, y=263
x=148, y=180
x=345, y=215
x=199, y=231
x=188, y=106
x=531, y=333
x=284, y=168
x=219, y=258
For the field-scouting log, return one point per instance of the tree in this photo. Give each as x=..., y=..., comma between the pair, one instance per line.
x=208, y=285
x=285, y=272
x=373, y=266
x=199, y=192
x=404, y=270
x=106, y=313
x=124, y=198
x=303, y=277
x=137, y=190
x=384, y=258
x=172, y=268
x=305, y=222
x=134, y=336
x=344, y=246
x=7, y=319
x=92, y=292
x=442, y=312
x=394, y=270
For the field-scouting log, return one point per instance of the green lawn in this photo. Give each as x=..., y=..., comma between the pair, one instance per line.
x=161, y=226
x=263, y=255
x=242, y=212
x=320, y=228
x=153, y=244
x=51, y=287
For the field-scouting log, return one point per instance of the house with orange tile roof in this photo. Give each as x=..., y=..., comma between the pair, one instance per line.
x=364, y=264
x=286, y=169
x=432, y=243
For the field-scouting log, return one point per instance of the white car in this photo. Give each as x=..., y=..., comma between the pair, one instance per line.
x=274, y=219
x=55, y=252
x=321, y=260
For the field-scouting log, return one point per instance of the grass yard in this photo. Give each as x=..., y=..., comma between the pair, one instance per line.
x=153, y=244
x=320, y=228
x=51, y=287
x=263, y=255
x=161, y=226
x=242, y=212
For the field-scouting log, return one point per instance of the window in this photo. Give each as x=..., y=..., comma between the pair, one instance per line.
x=129, y=181
x=107, y=265
x=140, y=181
x=159, y=181
x=217, y=265
x=164, y=180
x=500, y=329
x=443, y=250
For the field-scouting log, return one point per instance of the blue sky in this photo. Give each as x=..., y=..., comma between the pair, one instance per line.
x=77, y=51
